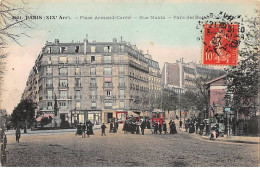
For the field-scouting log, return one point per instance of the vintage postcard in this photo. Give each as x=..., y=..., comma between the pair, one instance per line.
x=129, y=83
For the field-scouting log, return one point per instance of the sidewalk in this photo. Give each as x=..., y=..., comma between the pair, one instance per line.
x=234, y=139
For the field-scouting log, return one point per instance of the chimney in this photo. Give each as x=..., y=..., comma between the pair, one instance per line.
x=56, y=41
x=85, y=44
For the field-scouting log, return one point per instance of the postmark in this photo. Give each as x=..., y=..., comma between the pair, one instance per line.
x=220, y=45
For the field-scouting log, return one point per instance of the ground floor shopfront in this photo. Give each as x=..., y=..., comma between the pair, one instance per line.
x=97, y=117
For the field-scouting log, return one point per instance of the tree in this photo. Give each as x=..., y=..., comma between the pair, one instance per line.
x=45, y=121
x=242, y=90
x=168, y=100
x=13, y=26
x=23, y=114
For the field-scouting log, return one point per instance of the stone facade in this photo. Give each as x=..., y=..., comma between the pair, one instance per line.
x=94, y=81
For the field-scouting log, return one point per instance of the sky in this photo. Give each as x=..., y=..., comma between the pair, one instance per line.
x=166, y=39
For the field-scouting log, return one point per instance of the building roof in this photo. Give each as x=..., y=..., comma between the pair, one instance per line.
x=216, y=79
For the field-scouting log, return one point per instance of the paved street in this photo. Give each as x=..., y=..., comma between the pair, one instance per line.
x=182, y=149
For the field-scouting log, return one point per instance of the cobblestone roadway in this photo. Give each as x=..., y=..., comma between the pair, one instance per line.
x=120, y=149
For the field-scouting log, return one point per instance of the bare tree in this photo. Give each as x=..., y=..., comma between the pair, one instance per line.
x=13, y=26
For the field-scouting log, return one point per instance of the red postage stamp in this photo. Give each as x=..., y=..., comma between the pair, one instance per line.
x=220, y=45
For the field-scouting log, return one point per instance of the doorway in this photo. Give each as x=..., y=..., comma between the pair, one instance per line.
x=109, y=117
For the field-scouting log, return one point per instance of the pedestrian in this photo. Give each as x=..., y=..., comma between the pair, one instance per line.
x=88, y=129
x=174, y=128
x=103, y=127
x=83, y=129
x=116, y=124
x=111, y=127
x=180, y=123
x=143, y=127
x=155, y=127
x=160, y=127
x=137, y=129
x=197, y=126
x=148, y=124
x=164, y=127
x=18, y=134
x=201, y=127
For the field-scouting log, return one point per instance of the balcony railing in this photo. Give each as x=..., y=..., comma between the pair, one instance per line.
x=108, y=85
x=93, y=96
x=121, y=96
x=93, y=84
x=121, y=84
x=63, y=74
x=108, y=107
x=78, y=85
x=107, y=97
x=49, y=85
x=77, y=96
x=48, y=74
x=49, y=108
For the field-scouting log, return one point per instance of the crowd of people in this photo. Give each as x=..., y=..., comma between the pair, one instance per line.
x=83, y=129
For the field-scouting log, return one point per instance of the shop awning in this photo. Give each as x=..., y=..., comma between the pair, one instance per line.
x=131, y=113
x=38, y=119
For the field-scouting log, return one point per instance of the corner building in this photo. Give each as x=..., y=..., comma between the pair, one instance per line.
x=94, y=81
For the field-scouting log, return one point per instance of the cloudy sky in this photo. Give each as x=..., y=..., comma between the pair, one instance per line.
x=166, y=39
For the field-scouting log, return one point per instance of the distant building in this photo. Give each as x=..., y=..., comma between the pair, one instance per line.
x=181, y=75
x=93, y=81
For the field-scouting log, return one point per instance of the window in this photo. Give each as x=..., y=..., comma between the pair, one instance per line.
x=107, y=59
x=77, y=60
x=49, y=93
x=77, y=82
x=49, y=50
x=76, y=49
x=63, y=49
x=49, y=71
x=64, y=71
x=63, y=59
x=93, y=71
x=121, y=93
x=93, y=49
x=121, y=48
x=121, y=70
x=93, y=94
x=93, y=104
x=63, y=105
x=49, y=82
x=122, y=104
x=77, y=94
x=108, y=93
x=108, y=82
x=63, y=94
x=63, y=83
x=108, y=104
x=78, y=71
x=108, y=49
x=49, y=60
x=108, y=70
x=93, y=59
x=77, y=105
x=92, y=82
x=49, y=105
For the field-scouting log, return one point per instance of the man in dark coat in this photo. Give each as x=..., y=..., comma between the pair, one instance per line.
x=155, y=127
x=111, y=127
x=164, y=127
x=103, y=127
x=17, y=134
x=180, y=123
x=124, y=127
x=202, y=125
x=174, y=128
x=160, y=127
x=143, y=127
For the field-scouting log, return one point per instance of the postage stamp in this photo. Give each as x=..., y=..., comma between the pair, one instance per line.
x=220, y=45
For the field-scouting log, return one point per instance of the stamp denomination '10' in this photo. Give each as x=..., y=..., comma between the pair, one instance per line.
x=220, y=45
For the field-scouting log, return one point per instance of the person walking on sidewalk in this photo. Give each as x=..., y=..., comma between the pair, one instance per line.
x=111, y=127
x=143, y=124
x=83, y=129
x=160, y=127
x=180, y=123
x=164, y=127
x=103, y=127
x=18, y=134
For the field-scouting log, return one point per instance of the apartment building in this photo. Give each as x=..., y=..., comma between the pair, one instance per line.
x=93, y=81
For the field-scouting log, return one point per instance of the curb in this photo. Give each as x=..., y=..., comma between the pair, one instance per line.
x=223, y=140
